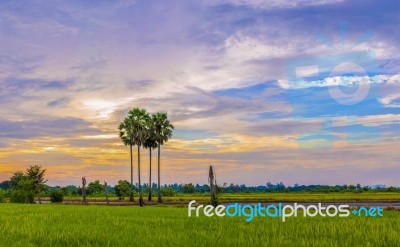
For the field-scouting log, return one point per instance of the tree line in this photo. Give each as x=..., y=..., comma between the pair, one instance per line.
x=274, y=188
x=23, y=186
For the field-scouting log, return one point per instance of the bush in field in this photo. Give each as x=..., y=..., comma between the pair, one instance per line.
x=188, y=188
x=22, y=196
x=56, y=196
x=95, y=188
x=123, y=189
x=168, y=192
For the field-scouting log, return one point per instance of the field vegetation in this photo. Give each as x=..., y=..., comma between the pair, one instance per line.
x=78, y=225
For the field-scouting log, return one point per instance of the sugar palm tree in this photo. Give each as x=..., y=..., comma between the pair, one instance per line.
x=150, y=143
x=127, y=137
x=138, y=119
x=163, y=131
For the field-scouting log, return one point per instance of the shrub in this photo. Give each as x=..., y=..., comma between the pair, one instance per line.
x=188, y=188
x=56, y=196
x=21, y=196
x=168, y=192
x=123, y=189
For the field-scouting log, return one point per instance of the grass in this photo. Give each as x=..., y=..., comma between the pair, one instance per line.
x=267, y=197
x=296, y=197
x=74, y=225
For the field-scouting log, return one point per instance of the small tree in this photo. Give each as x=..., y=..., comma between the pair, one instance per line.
x=167, y=191
x=16, y=179
x=70, y=190
x=36, y=175
x=95, y=188
x=188, y=188
x=122, y=189
x=21, y=188
x=25, y=185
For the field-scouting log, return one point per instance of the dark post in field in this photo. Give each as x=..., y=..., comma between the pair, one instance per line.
x=84, y=201
x=212, y=179
x=106, y=193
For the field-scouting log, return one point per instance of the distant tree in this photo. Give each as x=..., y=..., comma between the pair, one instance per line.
x=205, y=188
x=168, y=191
x=5, y=185
x=71, y=190
x=95, y=188
x=36, y=175
x=188, y=188
x=21, y=188
x=16, y=180
x=351, y=187
x=270, y=187
x=123, y=189
x=25, y=185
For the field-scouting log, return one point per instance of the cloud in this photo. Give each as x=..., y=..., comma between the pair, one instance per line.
x=46, y=126
x=15, y=86
x=12, y=63
x=58, y=102
x=90, y=64
x=277, y=4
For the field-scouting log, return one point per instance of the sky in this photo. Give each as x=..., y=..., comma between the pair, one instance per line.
x=286, y=91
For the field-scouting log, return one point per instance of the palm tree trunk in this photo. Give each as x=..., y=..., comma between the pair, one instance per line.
x=140, y=185
x=159, y=187
x=131, y=195
x=150, y=187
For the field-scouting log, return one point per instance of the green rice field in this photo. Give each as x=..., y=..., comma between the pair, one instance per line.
x=262, y=197
x=77, y=225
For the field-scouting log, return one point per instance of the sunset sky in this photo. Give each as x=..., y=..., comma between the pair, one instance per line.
x=71, y=70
